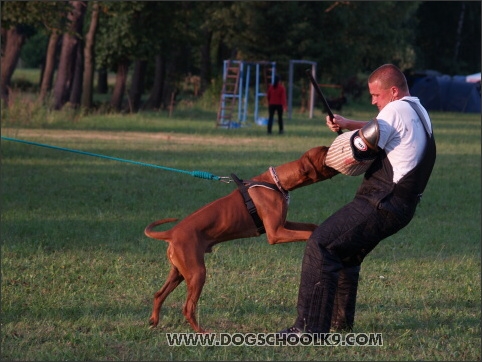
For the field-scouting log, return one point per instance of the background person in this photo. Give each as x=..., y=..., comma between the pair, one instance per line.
x=276, y=103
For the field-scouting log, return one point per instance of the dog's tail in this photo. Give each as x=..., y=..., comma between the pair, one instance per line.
x=148, y=231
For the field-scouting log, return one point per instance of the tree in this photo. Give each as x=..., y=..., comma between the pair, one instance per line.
x=12, y=42
x=33, y=51
x=116, y=43
x=18, y=21
x=76, y=87
x=340, y=36
x=49, y=65
x=448, y=36
x=163, y=38
x=155, y=97
x=120, y=84
x=137, y=84
x=174, y=17
x=67, y=62
x=164, y=41
x=89, y=68
x=152, y=28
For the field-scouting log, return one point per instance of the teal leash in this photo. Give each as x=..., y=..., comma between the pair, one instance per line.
x=200, y=174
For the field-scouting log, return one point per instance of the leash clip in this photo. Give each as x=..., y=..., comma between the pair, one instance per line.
x=225, y=179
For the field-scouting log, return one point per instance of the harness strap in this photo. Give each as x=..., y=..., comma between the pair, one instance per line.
x=249, y=204
x=420, y=115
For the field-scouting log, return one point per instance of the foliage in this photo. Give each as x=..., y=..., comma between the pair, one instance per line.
x=134, y=30
x=443, y=48
x=367, y=36
x=340, y=37
x=33, y=52
x=344, y=38
x=43, y=15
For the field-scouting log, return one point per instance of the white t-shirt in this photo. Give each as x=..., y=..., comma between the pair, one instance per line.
x=402, y=135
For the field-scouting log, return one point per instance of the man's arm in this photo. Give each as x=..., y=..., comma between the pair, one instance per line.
x=340, y=123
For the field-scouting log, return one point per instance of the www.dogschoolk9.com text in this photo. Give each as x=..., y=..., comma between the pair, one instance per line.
x=275, y=339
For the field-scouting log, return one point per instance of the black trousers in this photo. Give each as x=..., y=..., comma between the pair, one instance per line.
x=332, y=259
x=272, y=108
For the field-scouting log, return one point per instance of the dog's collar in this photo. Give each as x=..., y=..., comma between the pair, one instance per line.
x=275, y=177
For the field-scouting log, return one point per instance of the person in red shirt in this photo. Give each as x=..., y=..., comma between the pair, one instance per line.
x=276, y=103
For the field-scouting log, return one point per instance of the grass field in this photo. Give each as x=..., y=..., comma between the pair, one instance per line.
x=78, y=275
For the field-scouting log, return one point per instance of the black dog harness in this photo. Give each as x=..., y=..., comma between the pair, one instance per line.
x=243, y=187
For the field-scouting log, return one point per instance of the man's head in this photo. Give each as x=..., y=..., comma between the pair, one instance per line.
x=387, y=83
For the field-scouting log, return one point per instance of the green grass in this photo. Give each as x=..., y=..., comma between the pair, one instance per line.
x=78, y=275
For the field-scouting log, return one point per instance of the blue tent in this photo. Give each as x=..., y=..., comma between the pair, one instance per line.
x=447, y=93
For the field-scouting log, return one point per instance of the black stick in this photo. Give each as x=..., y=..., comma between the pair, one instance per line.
x=323, y=99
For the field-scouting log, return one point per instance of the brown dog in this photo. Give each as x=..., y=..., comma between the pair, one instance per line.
x=228, y=218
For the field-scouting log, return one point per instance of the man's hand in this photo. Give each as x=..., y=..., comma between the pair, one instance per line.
x=333, y=124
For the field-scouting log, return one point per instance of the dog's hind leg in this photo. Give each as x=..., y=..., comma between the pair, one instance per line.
x=173, y=280
x=195, y=283
x=187, y=264
x=190, y=263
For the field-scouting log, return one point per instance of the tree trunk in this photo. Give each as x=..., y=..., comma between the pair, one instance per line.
x=49, y=68
x=14, y=40
x=87, y=96
x=76, y=88
x=458, y=36
x=222, y=53
x=61, y=86
x=120, y=86
x=137, y=85
x=68, y=55
x=102, y=86
x=206, y=61
x=169, y=86
x=155, y=98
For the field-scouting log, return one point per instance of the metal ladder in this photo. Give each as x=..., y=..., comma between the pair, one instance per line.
x=229, y=94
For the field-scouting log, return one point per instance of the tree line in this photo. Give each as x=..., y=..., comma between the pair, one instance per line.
x=158, y=43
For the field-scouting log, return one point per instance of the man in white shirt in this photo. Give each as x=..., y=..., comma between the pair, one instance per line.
x=398, y=172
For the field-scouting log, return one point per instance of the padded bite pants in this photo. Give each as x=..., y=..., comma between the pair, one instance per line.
x=332, y=258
